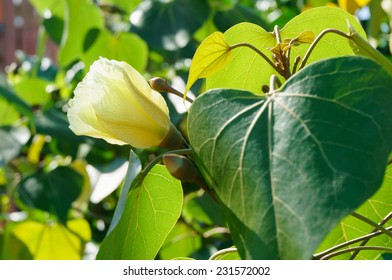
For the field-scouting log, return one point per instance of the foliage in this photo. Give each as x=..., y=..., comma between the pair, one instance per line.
x=288, y=140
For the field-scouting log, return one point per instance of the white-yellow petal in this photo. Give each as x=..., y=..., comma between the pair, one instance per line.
x=114, y=102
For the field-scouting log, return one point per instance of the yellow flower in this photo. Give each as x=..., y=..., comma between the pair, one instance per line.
x=114, y=102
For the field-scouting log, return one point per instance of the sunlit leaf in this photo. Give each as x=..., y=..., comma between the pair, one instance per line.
x=54, y=241
x=48, y=8
x=316, y=20
x=80, y=17
x=211, y=56
x=152, y=209
x=8, y=94
x=8, y=113
x=32, y=90
x=124, y=46
x=248, y=71
x=305, y=37
x=181, y=242
x=290, y=166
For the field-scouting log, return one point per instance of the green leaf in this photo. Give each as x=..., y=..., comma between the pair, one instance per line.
x=54, y=241
x=49, y=8
x=55, y=124
x=80, y=17
x=212, y=55
x=202, y=209
x=167, y=24
x=181, y=242
x=134, y=169
x=12, y=141
x=50, y=192
x=8, y=113
x=152, y=209
x=317, y=20
x=123, y=47
x=126, y=6
x=376, y=209
x=226, y=18
x=362, y=47
x=290, y=166
x=9, y=95
x=248, y=71
x=32, y=90
x=54, y=26
x=11, y=248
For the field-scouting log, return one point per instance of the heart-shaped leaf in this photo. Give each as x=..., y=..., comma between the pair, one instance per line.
x=290, y=166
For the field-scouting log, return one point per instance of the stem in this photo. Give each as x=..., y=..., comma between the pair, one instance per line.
x=296, y=61
x=161, y=85
x=277, y=34
x=222, y=252
x=274, y=83
x=217, y=230
x=366, y=49
x=347, y=243
x=315, y=42
x=383, y=222
x=277, y=69
x=370, y=222
x=373, y=248
x=41, y=44
x=152, y=163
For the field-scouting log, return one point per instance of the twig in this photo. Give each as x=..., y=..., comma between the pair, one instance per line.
x=370, y=222
x=222, y=252
x=383, y=222
x=373, y=248
x=315, y=42
x=349, y=242
x=277, y=69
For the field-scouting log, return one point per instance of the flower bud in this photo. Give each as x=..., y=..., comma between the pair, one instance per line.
x=114, y=102
x=181, y=168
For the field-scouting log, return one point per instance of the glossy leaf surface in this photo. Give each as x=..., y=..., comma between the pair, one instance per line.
x=290, y=166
